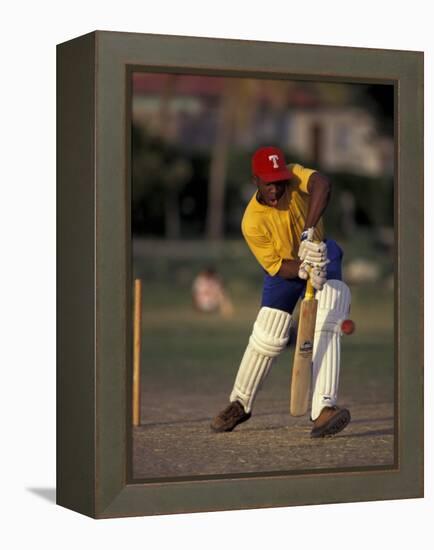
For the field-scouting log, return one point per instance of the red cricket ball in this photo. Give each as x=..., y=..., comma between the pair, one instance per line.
x=348, y=326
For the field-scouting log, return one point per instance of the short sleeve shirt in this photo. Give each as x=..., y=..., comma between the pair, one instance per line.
x=273, y=233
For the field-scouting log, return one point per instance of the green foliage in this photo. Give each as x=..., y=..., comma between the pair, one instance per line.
x=373, y=201
x=159, y=168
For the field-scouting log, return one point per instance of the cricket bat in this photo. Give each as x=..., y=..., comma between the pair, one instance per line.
x=302, y=367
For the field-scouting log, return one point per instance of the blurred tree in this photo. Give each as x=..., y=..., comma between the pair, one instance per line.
x=159, y=172
x=380, y=98
x=371, y=204
x=238, y=105
x=176, y=172
x=167, y=94
x=159, y=169
x=217, y=175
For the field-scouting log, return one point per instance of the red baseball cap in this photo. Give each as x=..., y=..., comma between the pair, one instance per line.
x=269, y=164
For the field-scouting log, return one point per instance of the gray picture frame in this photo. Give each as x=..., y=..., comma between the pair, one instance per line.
x=94, y=273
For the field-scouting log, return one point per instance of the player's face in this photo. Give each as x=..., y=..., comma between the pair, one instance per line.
x=270, y=192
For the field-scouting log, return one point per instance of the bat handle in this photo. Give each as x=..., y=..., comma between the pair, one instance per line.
x=310, y=291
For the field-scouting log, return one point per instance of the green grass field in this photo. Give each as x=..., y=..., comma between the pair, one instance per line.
x=189, y=351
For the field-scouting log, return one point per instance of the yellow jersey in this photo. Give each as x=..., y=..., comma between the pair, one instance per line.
x=273, y=233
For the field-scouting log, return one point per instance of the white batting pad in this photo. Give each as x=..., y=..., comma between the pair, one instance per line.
x=334, y=302
x=269, y=337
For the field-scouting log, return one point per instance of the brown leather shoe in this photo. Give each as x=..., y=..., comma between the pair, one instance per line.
x=230, y=417
x=330, y=421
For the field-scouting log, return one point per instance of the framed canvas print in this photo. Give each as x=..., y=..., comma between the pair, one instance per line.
x=240, y=263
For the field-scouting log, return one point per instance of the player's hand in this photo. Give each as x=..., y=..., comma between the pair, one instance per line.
x=317, y=273
x=318, y=276
x=311, y=251
x=314, y=260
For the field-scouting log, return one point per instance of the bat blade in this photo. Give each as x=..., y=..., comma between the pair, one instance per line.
x=302, y=367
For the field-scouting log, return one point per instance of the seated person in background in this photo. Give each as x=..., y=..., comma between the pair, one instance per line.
x=209, y=295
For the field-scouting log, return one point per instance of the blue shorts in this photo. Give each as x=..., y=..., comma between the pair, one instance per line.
x=283, y=294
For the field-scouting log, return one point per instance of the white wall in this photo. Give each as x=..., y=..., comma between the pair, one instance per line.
x=30, y=31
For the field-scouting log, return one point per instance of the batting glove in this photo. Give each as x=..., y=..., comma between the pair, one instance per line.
x=318, y=276
x=311, y=251
x=314, y=259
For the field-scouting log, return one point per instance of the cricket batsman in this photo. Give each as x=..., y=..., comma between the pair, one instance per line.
x=283, y=228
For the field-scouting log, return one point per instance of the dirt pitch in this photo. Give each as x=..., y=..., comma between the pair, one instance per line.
x=178, y=441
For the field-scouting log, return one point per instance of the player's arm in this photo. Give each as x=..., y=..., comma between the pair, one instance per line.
x=263, y=249
x=319, y=188
x=289, y=269
x=314, y=254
